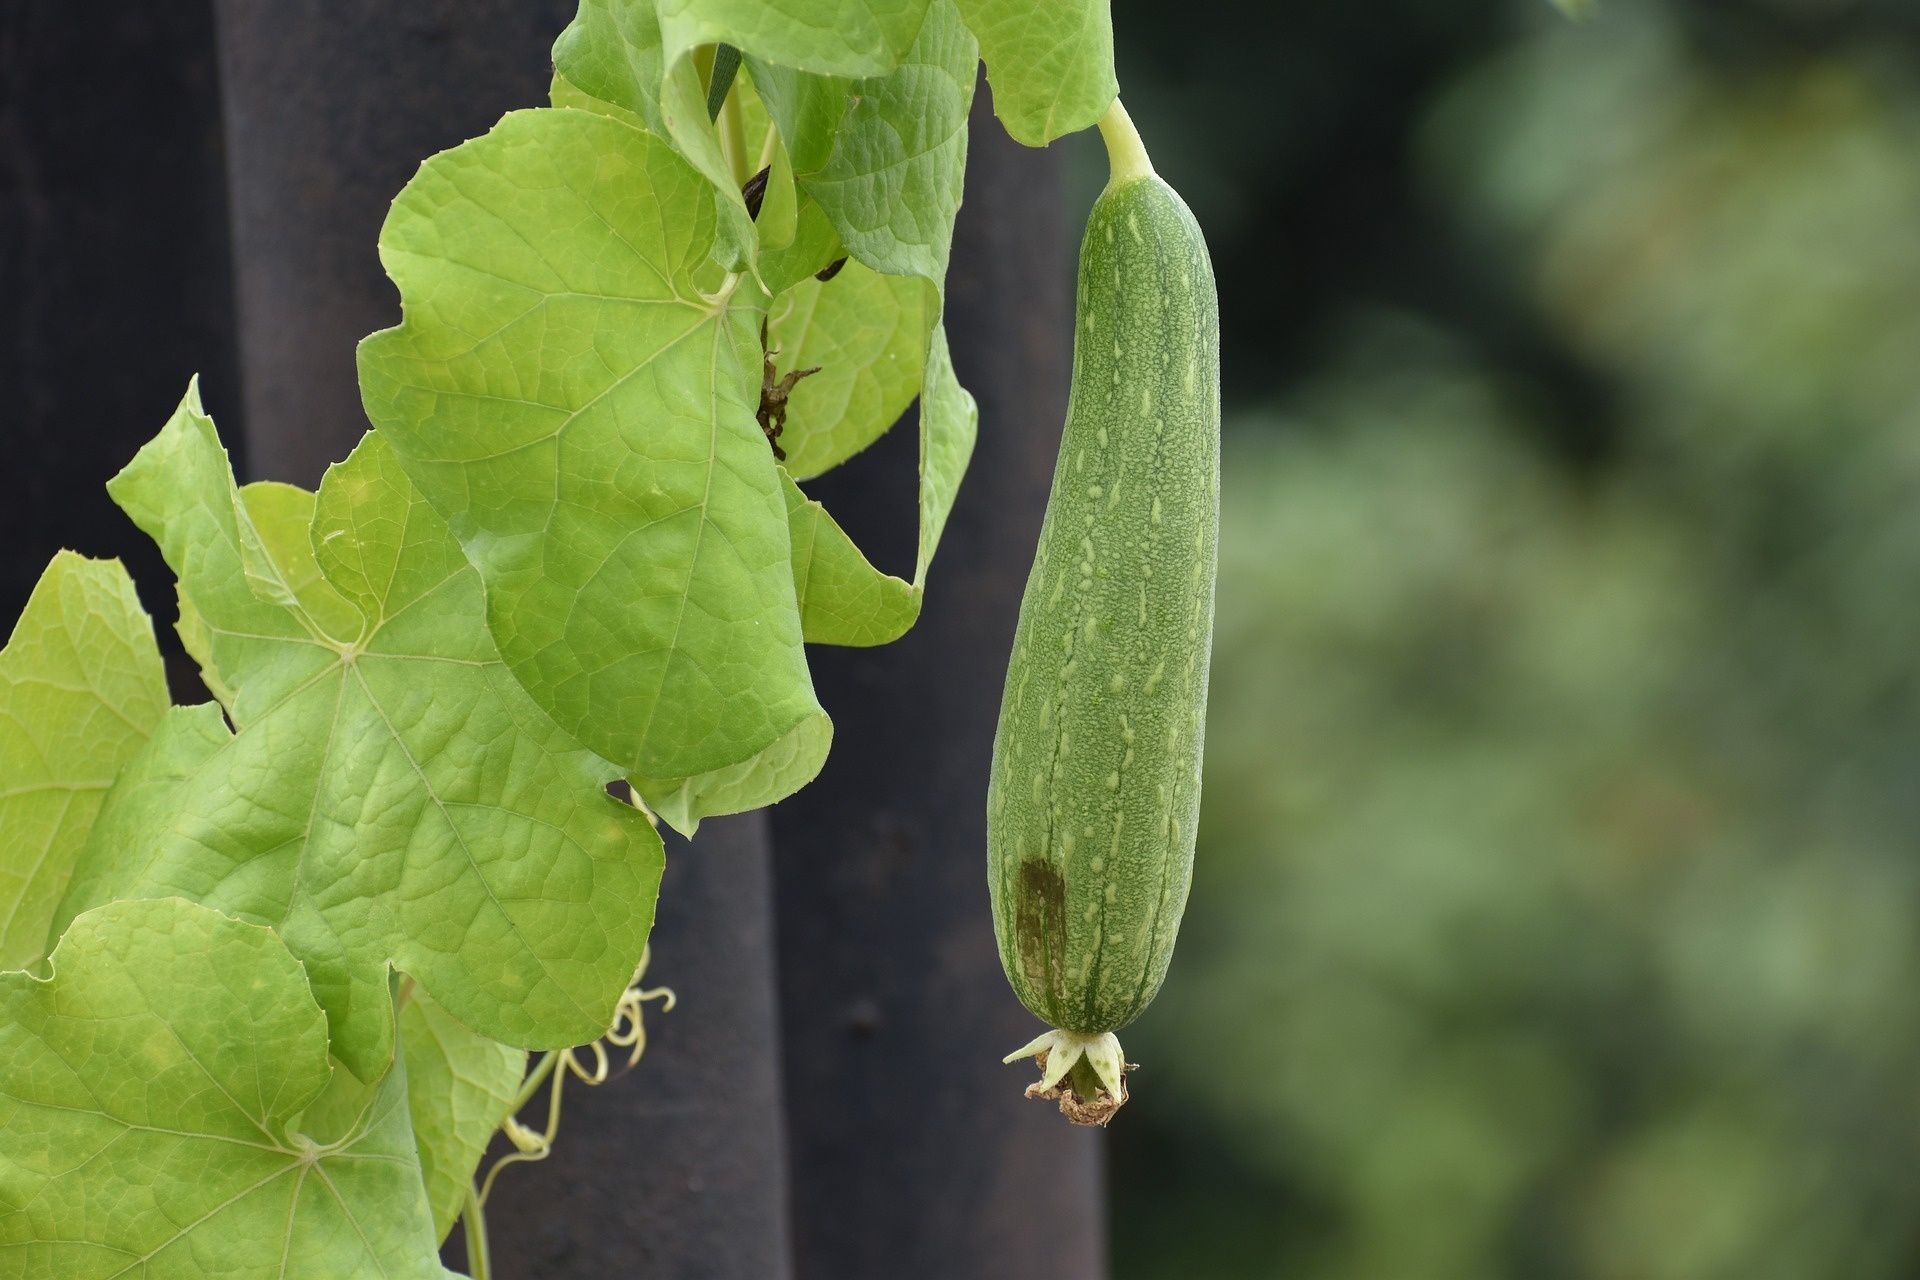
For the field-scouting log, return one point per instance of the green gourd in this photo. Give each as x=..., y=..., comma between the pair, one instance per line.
x=1095, y=787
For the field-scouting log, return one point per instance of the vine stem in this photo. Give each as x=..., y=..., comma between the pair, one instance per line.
x=1126, y=155
x=531, y=1085
x=479, y=1254
x=726, y=63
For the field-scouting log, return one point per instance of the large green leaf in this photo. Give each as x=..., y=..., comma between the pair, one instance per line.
x=166, y=1112
x=1050, y=63
x=829, y=37
x=582, y=412
x=392, y=797
x=460, y=1086
x=81, y=689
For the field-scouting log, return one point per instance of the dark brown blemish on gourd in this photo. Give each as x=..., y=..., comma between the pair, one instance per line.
x=1040, y=925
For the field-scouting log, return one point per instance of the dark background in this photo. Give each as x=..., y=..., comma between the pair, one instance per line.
x=1555, y=912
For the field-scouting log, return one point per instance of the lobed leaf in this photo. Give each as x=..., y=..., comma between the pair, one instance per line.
x=167, y=1109
x=392, y=799
x=1049, y=62
x=81, y=690
x=581, y=412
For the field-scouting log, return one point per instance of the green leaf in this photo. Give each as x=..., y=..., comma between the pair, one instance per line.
x=460, y=1086
x=828, y=37
x=885, y=156
x=392, y=797
x=843, y=598
x=949, y=424
x=780, y=204
x=582, y=412
x=814, y=246
x=148, y=798
x=883, y=159
x=611, y=52
x=615, y=52
x=1049, y=62
x=867, y=334
x=151, y=1100
x=878, y=163
x=81, y=689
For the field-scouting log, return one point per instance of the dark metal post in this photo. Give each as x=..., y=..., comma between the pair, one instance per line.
x=331, y=105
x=913, y=1150
x=678, y=1169
x=113, y=267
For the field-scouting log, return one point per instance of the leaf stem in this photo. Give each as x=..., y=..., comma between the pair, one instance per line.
x=479, y=1254
x=531, y=1085
x=726, y=62
x=1126, y=154
x=733, y=142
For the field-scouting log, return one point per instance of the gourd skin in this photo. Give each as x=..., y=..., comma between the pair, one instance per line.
x=1095, y=789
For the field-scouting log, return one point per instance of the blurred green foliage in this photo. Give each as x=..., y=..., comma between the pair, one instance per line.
x=1557, y=911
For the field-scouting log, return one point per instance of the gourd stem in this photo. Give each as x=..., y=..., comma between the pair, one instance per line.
x=726, y=63
x=1126, y=154
x=479, y=1255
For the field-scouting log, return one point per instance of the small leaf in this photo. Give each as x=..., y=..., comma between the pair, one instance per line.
x=884, y=160
x=867, y=334
x=81, y=689
x=815, y=246
x=1049, y=63
x=460, y=1086
x=885, y=156
x=949, y=424
x=615, y=52
x=843, y=598
x=167, y=1110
